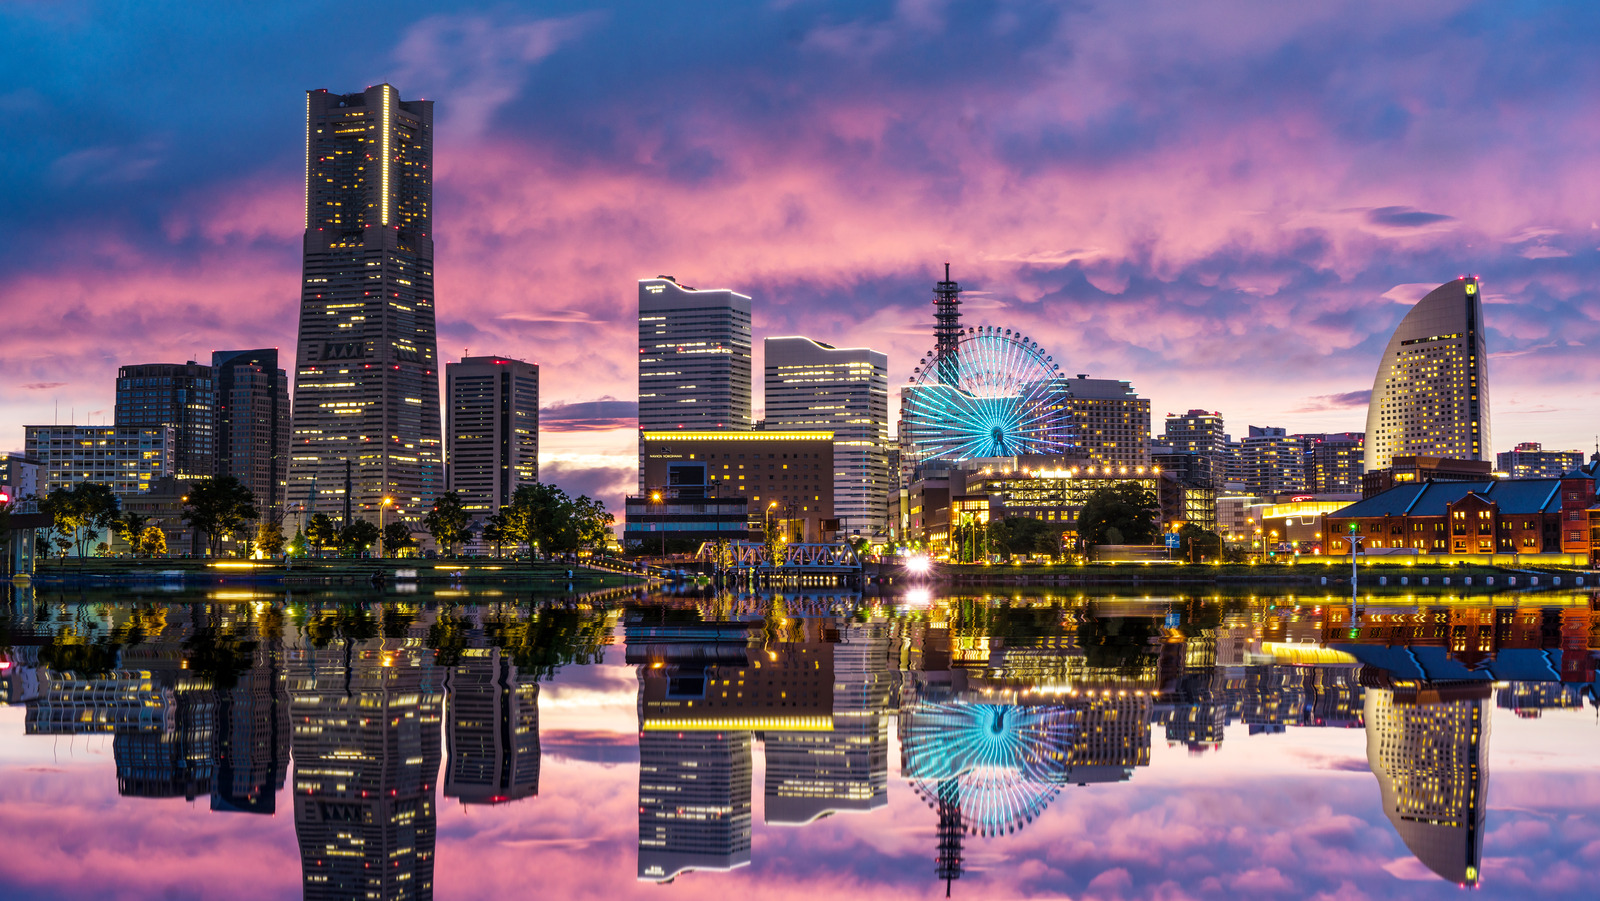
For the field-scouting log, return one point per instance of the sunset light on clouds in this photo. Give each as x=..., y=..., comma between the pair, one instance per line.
x=1228, y=204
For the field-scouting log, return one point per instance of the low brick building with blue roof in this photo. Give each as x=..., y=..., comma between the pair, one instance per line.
x=1502, y=522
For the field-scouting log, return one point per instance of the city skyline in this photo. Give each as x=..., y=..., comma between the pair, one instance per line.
x=1287, y=252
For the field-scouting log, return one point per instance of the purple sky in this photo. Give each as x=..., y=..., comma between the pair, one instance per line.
x=1229, y=204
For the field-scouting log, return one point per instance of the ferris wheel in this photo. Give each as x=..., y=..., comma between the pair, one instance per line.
x=994, y=393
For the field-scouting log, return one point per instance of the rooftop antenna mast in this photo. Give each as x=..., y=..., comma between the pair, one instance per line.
x=946, y=326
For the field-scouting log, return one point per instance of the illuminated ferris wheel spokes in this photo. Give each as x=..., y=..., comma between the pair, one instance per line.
x=994, y=394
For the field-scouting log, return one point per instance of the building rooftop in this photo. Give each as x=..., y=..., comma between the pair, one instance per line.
x=1512, y=496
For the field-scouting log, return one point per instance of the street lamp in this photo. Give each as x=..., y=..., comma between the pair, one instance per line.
x=655, y=501
x=386, y=502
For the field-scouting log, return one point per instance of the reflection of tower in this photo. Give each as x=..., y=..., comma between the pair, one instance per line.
x=946, y=326
x=813, y=773
x=950, y=829
x=176, y=762
x=253, y=738
x=366, y=756
x=492, y=730
x=694, y=802
x=1431, y=761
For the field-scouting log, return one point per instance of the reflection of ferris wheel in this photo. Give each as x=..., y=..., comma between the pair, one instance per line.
x=993, y=393
x=999, y=765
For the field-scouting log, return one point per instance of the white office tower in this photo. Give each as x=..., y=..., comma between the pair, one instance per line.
x=694, y=358
x=812, y=386
x=491, y=430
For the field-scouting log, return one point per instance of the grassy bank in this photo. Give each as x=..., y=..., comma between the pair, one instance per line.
x=333, y=572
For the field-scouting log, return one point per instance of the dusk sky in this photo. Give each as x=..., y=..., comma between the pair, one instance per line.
x=1230, y=204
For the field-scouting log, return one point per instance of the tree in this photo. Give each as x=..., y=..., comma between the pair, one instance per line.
x=542, y=517
x=81, y=512
x=1021, y=536
x=1197, y=545
x=1124, y=513
x=447, y=522
x=152, y=542
x=594, y=523
x=219, y=507
x=129, y=528
x=321, y=532
x=269, y=537
x=494, y=531
x=396, y=538
x=357, y=537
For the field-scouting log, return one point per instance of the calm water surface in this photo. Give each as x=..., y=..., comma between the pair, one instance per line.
x=471, y=744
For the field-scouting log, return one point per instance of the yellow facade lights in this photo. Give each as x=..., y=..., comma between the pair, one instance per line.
x=744, y=724
x=383, y=205
x=738, y=436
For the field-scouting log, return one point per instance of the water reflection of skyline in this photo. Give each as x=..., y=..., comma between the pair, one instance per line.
x=998, y=709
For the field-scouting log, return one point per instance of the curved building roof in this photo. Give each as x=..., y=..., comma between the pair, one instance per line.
x=1431, y=393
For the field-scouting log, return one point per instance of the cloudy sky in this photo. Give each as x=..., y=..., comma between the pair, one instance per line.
x=1229, y=204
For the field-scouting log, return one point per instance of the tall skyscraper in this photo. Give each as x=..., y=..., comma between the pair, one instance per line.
x=491, y=430
x=811, y=386
x=694, y=358
x=180, y=395
x=1432, y=765
x=366, y=374
x=253, y=423
x=1431, y=394
x=1110, y=421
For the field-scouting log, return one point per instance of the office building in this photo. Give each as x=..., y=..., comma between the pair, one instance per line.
x=811, y=386
x=1529, y=460
x=253, y=736
x=694, y=359
x=1408, y=469
x=782, y=474
x=366, y=369
x=1332, y=462
x=491, y=729
x=1109, y=420
x=180, y=395
x=1272, y=461
x=253, y=424
x=1431, y=394
x=1432, y=765
x=491, y=430
x=128, y=458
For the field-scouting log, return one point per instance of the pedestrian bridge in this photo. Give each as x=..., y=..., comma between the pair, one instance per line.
x=835, y=559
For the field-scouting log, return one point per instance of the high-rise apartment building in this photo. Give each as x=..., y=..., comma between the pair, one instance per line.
x=1332, y=461
x=253, y=424
x=810, y=386
x=1272, y=463
x=1196, y=432
x=1110, y=421
x=180, y=395
x=694, y=358
x=1529, y=460
x=491, y=430
x=128, y=458
x=366, y=372
x=1431, y=394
